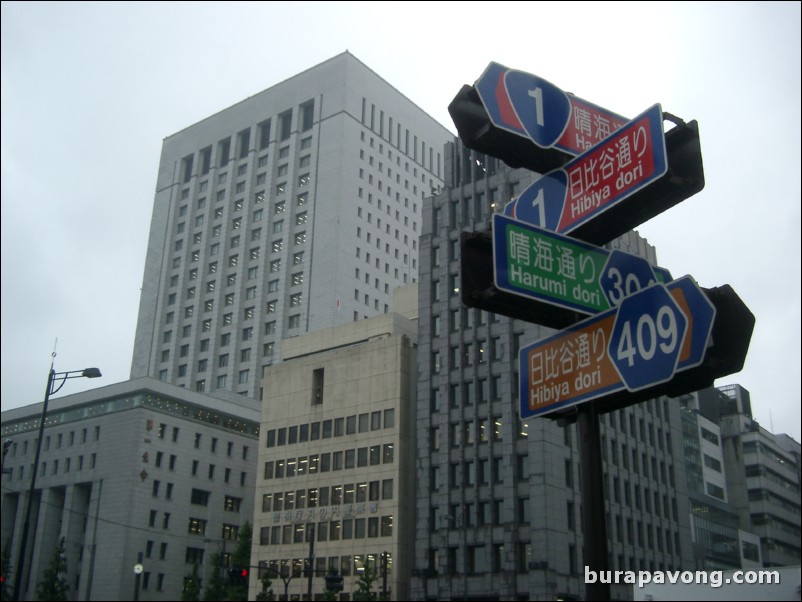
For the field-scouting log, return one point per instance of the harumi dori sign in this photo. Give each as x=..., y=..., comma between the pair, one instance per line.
x=538, y=264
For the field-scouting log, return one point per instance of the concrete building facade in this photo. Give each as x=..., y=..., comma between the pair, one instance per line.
x=337, y=457
x=763, y=477
x=296, y=209
x=135, y=468
x=743, y=483
x=719, y=539
x=499, y=507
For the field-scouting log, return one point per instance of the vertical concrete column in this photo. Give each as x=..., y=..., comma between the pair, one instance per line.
x=73, y=529
x=48, y=518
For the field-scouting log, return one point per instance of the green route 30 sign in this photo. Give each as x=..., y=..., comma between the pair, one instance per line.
x=539, y=264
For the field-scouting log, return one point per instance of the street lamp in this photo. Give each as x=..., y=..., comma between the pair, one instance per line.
x=55, y=380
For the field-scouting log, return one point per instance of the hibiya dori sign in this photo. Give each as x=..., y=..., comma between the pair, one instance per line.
x=647, y=335
x=644, y=329
x=643, y=342
x=598, y=179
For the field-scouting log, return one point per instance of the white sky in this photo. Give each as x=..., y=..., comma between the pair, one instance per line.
x=89, y=90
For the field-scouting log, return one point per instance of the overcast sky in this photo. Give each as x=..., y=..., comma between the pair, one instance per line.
x=89, y=90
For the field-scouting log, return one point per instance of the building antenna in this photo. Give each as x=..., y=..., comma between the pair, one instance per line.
x=771, y=422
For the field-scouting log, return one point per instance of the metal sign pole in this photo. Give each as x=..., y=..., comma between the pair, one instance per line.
x=593, y=508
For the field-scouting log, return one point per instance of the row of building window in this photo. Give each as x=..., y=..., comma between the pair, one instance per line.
x=665, y=475
x=259, y=197
x=376, y=123
x=470, y=473
x=333, y=427
x=375, y=262
x=334, y=495
x=55, y=465
x=195, y=526
x=654, y=534
x=200, y=497
x=250, y=293
x=434, y=160
x=756, y=470
x=768, y=453
x=330, y=461
x=480, y=430
x=225, y=338
x=277, y=227
x=198, y=526
x=161, y=433
x=243, y=143
x=211, y=471
x=345, y=565
x=648, y=496
x=389, y=171
x=335, y=530
x=380, y=186
x=299, y=238
x=467, y=354
x=480, y=559
x=279, y=207
x=387, y=207
x=467, y=393
x=57, y=441
x=231, y=279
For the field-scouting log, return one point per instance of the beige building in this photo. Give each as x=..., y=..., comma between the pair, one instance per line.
x=336, y=456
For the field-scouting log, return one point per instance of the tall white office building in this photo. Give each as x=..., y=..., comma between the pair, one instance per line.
x=296, y=209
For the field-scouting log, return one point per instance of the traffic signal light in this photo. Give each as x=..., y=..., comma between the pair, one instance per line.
x=238, y=575
x=477, y=131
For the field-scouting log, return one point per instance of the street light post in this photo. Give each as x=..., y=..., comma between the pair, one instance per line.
x=384, y=575
x=311, y=560
x=55, y=380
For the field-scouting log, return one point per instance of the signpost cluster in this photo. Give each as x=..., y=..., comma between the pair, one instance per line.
x=630, y=331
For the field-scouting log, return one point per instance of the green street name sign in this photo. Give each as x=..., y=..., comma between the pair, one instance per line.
x=563, y=271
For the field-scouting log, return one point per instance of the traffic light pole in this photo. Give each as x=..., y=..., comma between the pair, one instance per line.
x=311, y=561
x=137, y=577
x=384, y=575
x=592, y=495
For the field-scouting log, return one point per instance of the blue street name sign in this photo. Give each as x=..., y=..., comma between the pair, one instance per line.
x=652, y=335
x=599, y=179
